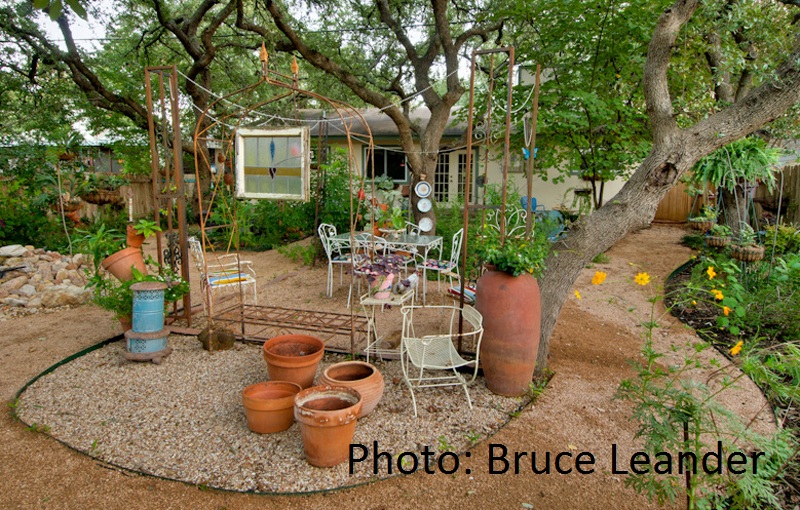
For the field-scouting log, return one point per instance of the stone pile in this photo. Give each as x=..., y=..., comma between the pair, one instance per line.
x=35, y=278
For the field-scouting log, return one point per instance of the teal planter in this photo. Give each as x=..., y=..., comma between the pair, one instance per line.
x=148, y=306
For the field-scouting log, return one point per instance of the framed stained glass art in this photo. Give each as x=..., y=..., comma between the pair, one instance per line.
x=273, y=163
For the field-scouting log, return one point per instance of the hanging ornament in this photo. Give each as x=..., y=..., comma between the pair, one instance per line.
x=295, y=67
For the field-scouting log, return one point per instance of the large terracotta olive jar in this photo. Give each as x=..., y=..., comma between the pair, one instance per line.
x=512, y=316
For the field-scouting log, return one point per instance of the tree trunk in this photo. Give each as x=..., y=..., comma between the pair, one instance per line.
x=735, y=206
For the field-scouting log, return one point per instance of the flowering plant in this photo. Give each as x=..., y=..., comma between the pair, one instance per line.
x=515, y=255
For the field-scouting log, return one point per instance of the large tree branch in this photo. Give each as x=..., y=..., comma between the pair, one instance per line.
x=656, y=86
x=322, y=62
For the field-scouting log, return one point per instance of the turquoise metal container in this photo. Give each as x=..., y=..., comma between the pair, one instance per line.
x=148, y=306
x=146, y=343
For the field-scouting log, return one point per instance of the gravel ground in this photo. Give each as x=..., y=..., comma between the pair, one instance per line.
x=183, y=419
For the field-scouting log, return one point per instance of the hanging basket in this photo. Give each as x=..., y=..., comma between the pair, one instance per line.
x=701, y=225
x=718, y=241
x=66, y=207
x=103, y=197
x=749, y=253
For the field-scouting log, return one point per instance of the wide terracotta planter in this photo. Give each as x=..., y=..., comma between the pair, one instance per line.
x=511, y=309
x=327, y=416
x=293, y=358
x=269, y=406
x=119, y=264
x=360, y=376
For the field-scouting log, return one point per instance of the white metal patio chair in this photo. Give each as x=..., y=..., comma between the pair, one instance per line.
x=430, y=361
x=337, y=251
x=229, y=273
x=447, y=267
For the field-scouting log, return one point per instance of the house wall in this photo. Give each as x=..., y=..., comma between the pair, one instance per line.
x=552, y=195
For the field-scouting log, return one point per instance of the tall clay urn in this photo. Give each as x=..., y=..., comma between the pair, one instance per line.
x=512, y=316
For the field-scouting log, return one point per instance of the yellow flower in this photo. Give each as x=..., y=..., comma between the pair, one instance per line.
x=726, y=310
x=642, y=279
x=694, y=302
x=736, y=349
x=717, y=294
x=711, y=272
x=598, y=278
x=578, y=294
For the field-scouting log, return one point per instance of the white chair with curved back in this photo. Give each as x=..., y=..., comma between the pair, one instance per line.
x=430, y=361
x=448, y=267
x=228, y=273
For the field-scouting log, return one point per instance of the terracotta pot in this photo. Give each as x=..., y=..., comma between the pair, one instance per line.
x=133, y=239
x=749, y=253
x=327, y=416
x=269, y=406
x=119, y=264
x=360, y=376
x=293, y=358
x=511, y=309
x=126, y=321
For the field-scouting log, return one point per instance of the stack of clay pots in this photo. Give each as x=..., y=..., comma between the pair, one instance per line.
x=327, y=413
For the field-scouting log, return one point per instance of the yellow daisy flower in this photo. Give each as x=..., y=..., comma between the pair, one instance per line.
x=736, y=349
x=598, y=278
x=711, y=272
x=717, y=294
x=642, y=279
x=578, y=295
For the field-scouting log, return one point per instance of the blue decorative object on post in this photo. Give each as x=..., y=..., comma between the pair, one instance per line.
x=148, y=306
x=147, y=341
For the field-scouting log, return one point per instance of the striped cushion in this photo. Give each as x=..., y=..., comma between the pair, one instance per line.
x=229, y=278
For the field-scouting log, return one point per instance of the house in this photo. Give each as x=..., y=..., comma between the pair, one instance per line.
x=448, y=179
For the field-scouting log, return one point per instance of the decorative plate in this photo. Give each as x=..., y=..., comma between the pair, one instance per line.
x=424, y=205
x=426, y=224
x=422, y=189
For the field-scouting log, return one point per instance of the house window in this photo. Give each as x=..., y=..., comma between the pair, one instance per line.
x=441, y=183
x=390, y=162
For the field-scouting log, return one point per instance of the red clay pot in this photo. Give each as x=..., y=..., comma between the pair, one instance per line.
x=360, y=376
x=293, y=358
x=327, y=416
x=119, y=264
x=269, y=406
x=133, y=239
x=512, y=316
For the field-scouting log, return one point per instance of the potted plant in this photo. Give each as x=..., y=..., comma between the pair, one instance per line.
x=381, y=272
x=103, y=188
x=108, y=250
x=509, y=299
x=719, y=236
x=705, y=220
x=137, y=232
x=746, y=247
x=393, y=222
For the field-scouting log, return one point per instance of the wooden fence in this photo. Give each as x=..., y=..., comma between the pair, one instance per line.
x=768, y=203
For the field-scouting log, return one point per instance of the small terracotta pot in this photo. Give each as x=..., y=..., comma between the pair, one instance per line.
x=126, y=321
x=119, y=263
x=269, y=406
x=293, y=358
x=360, y=376
x=133, y=239
x=327, y=416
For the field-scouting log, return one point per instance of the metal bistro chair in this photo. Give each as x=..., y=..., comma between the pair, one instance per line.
x=430, y=361
x=365, y=246
x=447, y=267
x=230, y=272
x=337, y=251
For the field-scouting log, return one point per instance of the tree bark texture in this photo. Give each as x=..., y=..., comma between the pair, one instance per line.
x=674, y=151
